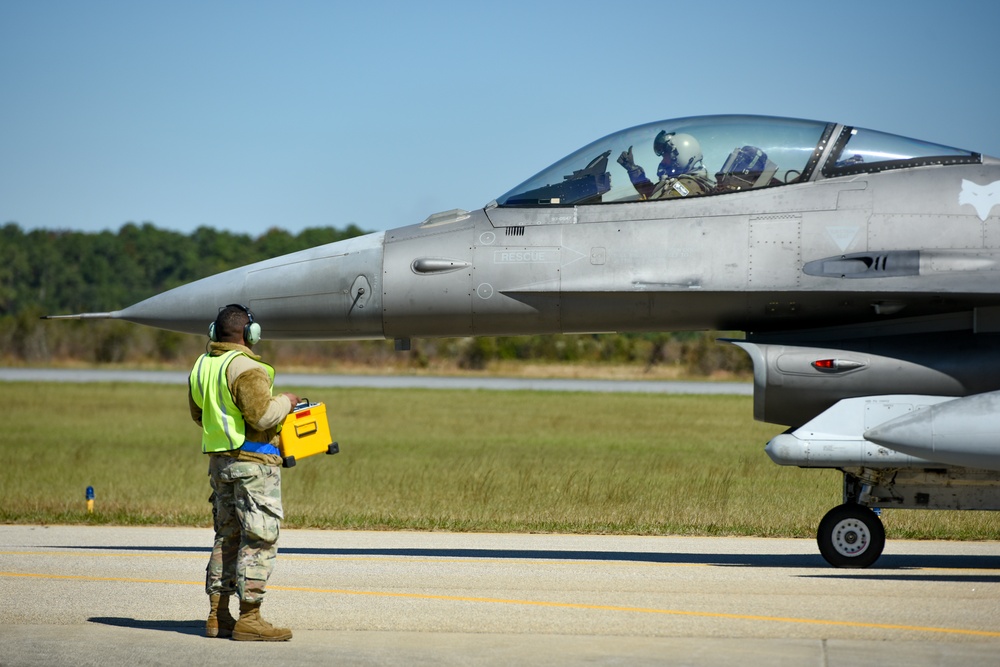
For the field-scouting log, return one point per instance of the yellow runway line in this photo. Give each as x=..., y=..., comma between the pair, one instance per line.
x=539, y=603
x=108, y=554
x=80, y=577
x=355, y=559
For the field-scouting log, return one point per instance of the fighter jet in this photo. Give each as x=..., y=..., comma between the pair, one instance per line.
x=863, y=267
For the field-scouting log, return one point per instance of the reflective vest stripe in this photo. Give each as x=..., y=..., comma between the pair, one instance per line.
x=224, y=399
x=224, y=428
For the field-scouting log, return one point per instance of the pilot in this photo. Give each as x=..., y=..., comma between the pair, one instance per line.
x=680, y=172
x=230, y=398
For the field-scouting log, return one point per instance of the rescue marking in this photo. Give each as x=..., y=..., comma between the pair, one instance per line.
x=535, y=603
x=547, y=256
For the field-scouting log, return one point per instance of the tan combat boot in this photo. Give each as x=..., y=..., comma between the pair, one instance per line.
x=220, y=622
x=252, y=628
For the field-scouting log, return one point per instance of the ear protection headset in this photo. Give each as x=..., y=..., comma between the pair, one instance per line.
x=251, y=332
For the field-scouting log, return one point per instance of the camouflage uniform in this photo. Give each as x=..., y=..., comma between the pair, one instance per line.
x=246, y=498
x=246, y=512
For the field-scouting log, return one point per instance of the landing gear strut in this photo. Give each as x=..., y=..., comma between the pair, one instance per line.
x=851, y=535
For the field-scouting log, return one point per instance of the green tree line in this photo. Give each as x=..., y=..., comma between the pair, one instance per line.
x=58, y=271
x=72, y=271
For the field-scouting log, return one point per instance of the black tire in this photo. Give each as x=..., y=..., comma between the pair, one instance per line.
x=850, y=536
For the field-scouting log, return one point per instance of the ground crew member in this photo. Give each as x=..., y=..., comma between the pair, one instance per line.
x=230, y=398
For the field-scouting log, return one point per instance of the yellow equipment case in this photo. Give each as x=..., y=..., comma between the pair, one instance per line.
x=306, y=431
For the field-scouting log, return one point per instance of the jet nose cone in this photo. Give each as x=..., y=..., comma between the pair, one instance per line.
x=328, y=292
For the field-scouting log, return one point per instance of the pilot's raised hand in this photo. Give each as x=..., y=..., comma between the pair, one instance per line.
x=626, y=160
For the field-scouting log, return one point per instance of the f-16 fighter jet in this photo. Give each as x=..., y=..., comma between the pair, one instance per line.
x=863, y=267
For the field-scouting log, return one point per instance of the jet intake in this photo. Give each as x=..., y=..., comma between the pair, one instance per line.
x=793, y=384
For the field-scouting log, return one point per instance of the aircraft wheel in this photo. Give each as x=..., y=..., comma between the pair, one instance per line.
x=850, y=536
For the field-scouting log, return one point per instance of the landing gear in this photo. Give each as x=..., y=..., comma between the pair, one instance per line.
x=851, y=536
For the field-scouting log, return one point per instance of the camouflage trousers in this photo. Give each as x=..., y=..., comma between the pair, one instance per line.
x=246, y=511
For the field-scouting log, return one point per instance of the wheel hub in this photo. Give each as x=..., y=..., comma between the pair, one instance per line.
x=851, y=537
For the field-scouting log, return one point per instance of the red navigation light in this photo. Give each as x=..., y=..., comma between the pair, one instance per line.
x=838, y=365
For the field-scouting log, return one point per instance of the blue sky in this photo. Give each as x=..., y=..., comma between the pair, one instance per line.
x=251, y=115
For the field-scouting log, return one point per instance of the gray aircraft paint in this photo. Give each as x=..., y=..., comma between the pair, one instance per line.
x=858, y=264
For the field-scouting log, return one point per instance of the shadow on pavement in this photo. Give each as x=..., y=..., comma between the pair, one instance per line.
x=196, y=628
x=886, y=562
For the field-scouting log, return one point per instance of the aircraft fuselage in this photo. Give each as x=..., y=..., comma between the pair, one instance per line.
x=860, y=265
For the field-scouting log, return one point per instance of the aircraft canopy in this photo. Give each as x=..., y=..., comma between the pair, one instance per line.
x=737, y=153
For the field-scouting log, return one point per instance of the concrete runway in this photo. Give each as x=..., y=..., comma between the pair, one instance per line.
x=79, y=595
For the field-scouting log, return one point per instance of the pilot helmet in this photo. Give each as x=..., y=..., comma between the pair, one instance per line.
x=680, y=152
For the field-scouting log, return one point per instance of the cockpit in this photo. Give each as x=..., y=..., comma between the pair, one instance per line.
x=715, y=155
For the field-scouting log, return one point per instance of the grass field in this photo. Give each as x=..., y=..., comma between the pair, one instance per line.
x=438, y=460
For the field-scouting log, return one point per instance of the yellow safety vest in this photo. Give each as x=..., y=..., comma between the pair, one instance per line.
x=224, y=428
